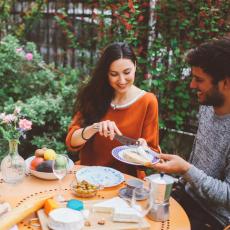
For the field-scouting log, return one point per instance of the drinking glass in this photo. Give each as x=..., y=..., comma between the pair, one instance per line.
x=144, y=206
x=60, y=166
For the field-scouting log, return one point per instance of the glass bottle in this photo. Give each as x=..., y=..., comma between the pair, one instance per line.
x=13, y=166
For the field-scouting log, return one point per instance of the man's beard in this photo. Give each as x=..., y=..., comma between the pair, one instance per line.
x=213, y=97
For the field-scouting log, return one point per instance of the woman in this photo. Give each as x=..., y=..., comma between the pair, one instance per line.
x=110, y=103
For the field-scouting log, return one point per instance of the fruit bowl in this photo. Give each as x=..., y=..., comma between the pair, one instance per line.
x=44, y=175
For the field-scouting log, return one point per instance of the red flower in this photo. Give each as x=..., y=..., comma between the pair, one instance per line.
x=203, y=14
x=140, y=49
x=113, y=7
x=202, y=25
x=131, y=6
x=209, y=2
x=127, y=26
x=221, y=22
x=61, y=16
x=147, y=76
x=127, y=15
x=140, y=18
x=218, y=3
x=145, y=4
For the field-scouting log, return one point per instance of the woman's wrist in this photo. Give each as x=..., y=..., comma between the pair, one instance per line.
x=87, y=132
x=82, y=135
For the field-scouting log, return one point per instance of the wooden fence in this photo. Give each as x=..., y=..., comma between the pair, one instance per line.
x=52, y=38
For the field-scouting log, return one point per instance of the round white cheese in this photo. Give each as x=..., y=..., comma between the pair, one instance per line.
x=65, y=219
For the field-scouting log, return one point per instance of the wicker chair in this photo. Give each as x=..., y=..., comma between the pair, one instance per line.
x=227, y=227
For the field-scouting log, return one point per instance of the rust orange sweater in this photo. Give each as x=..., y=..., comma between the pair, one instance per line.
x=139, y=120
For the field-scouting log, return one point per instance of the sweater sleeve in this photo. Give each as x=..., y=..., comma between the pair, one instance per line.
x=213, y=190
x=150, y=128
x=74, y=125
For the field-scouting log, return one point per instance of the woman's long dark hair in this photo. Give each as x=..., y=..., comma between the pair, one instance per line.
x=94, y=98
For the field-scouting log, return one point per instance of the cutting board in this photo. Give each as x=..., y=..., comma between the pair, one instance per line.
x=94, y=217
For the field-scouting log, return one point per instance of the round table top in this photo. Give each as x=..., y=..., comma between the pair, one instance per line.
x=31, y=187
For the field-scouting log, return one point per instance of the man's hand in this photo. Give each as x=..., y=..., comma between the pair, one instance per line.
x=171, y=164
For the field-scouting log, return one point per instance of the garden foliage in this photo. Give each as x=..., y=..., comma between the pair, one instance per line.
x=43, y=93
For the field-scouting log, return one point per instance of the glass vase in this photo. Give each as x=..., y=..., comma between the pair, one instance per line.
x=13, y=166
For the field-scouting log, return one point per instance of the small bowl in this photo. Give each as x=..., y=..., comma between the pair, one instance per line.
x=84, y=189
x=44, y=175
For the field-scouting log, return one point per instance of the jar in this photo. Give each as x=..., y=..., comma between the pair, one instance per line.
x=13, y=166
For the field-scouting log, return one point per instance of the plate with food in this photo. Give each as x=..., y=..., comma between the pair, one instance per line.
x=135, y=155
x=100, y=176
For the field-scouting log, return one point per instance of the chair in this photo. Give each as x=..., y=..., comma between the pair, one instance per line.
x=227, y=227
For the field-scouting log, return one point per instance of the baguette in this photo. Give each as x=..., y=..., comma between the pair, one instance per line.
x=19, y=213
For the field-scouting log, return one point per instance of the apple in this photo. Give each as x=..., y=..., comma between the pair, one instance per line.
x=35, y=162
x=49, y=154
x=40, y=152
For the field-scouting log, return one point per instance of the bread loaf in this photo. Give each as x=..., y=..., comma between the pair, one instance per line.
x=19, y=213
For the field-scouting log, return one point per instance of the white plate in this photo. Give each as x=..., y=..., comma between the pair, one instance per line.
x=100, y=176
x=44, y=175
x=118, y=154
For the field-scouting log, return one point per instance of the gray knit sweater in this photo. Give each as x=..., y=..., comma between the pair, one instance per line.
x=208, y=180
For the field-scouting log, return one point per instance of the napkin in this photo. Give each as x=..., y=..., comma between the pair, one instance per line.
x=4, y=208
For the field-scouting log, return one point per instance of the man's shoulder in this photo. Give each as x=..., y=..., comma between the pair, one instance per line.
x=208, y=118
x=205, y=113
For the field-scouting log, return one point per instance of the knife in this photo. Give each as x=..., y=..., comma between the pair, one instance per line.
x=123, y=139
x=126, y=140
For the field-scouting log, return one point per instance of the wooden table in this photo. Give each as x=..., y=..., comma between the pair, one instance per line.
x=32, y=187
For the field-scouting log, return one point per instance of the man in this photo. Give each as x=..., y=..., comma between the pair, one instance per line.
x=206, y=195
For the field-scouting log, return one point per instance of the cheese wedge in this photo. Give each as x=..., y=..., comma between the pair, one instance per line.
x=108, y=206
x=135, y=158
x=126, y=214
x=49, y=205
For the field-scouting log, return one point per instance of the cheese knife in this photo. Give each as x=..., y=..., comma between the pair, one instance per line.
x=126, y=140
x=123, y=139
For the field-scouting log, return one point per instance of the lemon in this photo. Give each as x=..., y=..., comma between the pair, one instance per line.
x=49, y=154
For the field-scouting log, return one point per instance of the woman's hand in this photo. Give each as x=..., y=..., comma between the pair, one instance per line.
x=107, y=128
x=171, y=164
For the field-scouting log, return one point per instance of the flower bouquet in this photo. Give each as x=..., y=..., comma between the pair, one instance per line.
x=13, y=126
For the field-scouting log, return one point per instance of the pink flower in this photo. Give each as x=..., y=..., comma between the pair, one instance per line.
x=147, y=76
x=25, y=124
x=29, y=56
x=18, y=50
x=9, y=118
x=17, y=110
